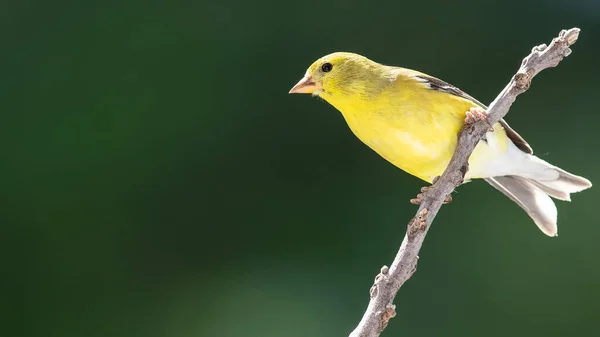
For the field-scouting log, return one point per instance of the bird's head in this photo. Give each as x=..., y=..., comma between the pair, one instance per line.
x=342, y=74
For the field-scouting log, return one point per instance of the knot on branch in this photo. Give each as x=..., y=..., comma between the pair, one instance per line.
x=418, y=223
x=522, y=81
x=463, y=171
x=388, y=313
x=570, y=35
x=381, y=277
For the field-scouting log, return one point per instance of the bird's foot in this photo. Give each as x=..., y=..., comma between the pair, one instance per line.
x=421, y=196
x=475, y=115
x=419, y=199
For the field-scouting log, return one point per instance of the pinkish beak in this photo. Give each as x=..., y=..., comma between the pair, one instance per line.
x=305, y=86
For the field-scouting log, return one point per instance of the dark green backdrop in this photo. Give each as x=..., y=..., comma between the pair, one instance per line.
x=158, y=180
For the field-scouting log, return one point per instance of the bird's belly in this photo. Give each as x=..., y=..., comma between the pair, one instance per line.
x=424, y=153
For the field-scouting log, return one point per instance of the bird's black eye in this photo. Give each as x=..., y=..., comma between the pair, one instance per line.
x=326, y=67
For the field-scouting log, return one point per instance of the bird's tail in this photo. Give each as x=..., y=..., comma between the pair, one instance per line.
x=532, y=186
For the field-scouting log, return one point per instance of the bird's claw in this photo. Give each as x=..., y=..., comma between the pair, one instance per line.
x=421, y=196
x=419, y=199
x=475, y=115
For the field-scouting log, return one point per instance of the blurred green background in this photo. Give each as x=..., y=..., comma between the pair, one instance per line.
x=158, y=180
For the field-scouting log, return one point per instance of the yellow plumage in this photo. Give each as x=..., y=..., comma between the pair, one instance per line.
x=412, y=120
x=410, y=125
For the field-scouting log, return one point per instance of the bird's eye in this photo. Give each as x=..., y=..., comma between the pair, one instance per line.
x=326, y=67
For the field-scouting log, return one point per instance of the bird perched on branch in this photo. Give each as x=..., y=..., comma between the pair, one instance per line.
x=412, y=120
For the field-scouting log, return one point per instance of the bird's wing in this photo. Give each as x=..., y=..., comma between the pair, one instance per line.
x=439, y=85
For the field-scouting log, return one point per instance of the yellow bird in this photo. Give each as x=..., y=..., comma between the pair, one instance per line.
x=412, y=120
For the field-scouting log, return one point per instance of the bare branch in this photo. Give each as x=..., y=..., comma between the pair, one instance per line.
x=387, y=283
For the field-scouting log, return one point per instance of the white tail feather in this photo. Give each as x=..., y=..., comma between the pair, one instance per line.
x=530, y=198
x=532, y=182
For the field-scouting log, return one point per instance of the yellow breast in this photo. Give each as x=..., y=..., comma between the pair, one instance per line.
x=414, y=128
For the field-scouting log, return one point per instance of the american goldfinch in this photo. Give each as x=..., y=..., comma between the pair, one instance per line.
x=412, y=120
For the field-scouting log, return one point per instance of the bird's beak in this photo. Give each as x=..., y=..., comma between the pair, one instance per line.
x=305, y=86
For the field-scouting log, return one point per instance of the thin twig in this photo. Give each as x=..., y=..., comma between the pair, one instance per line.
x=389, y=280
